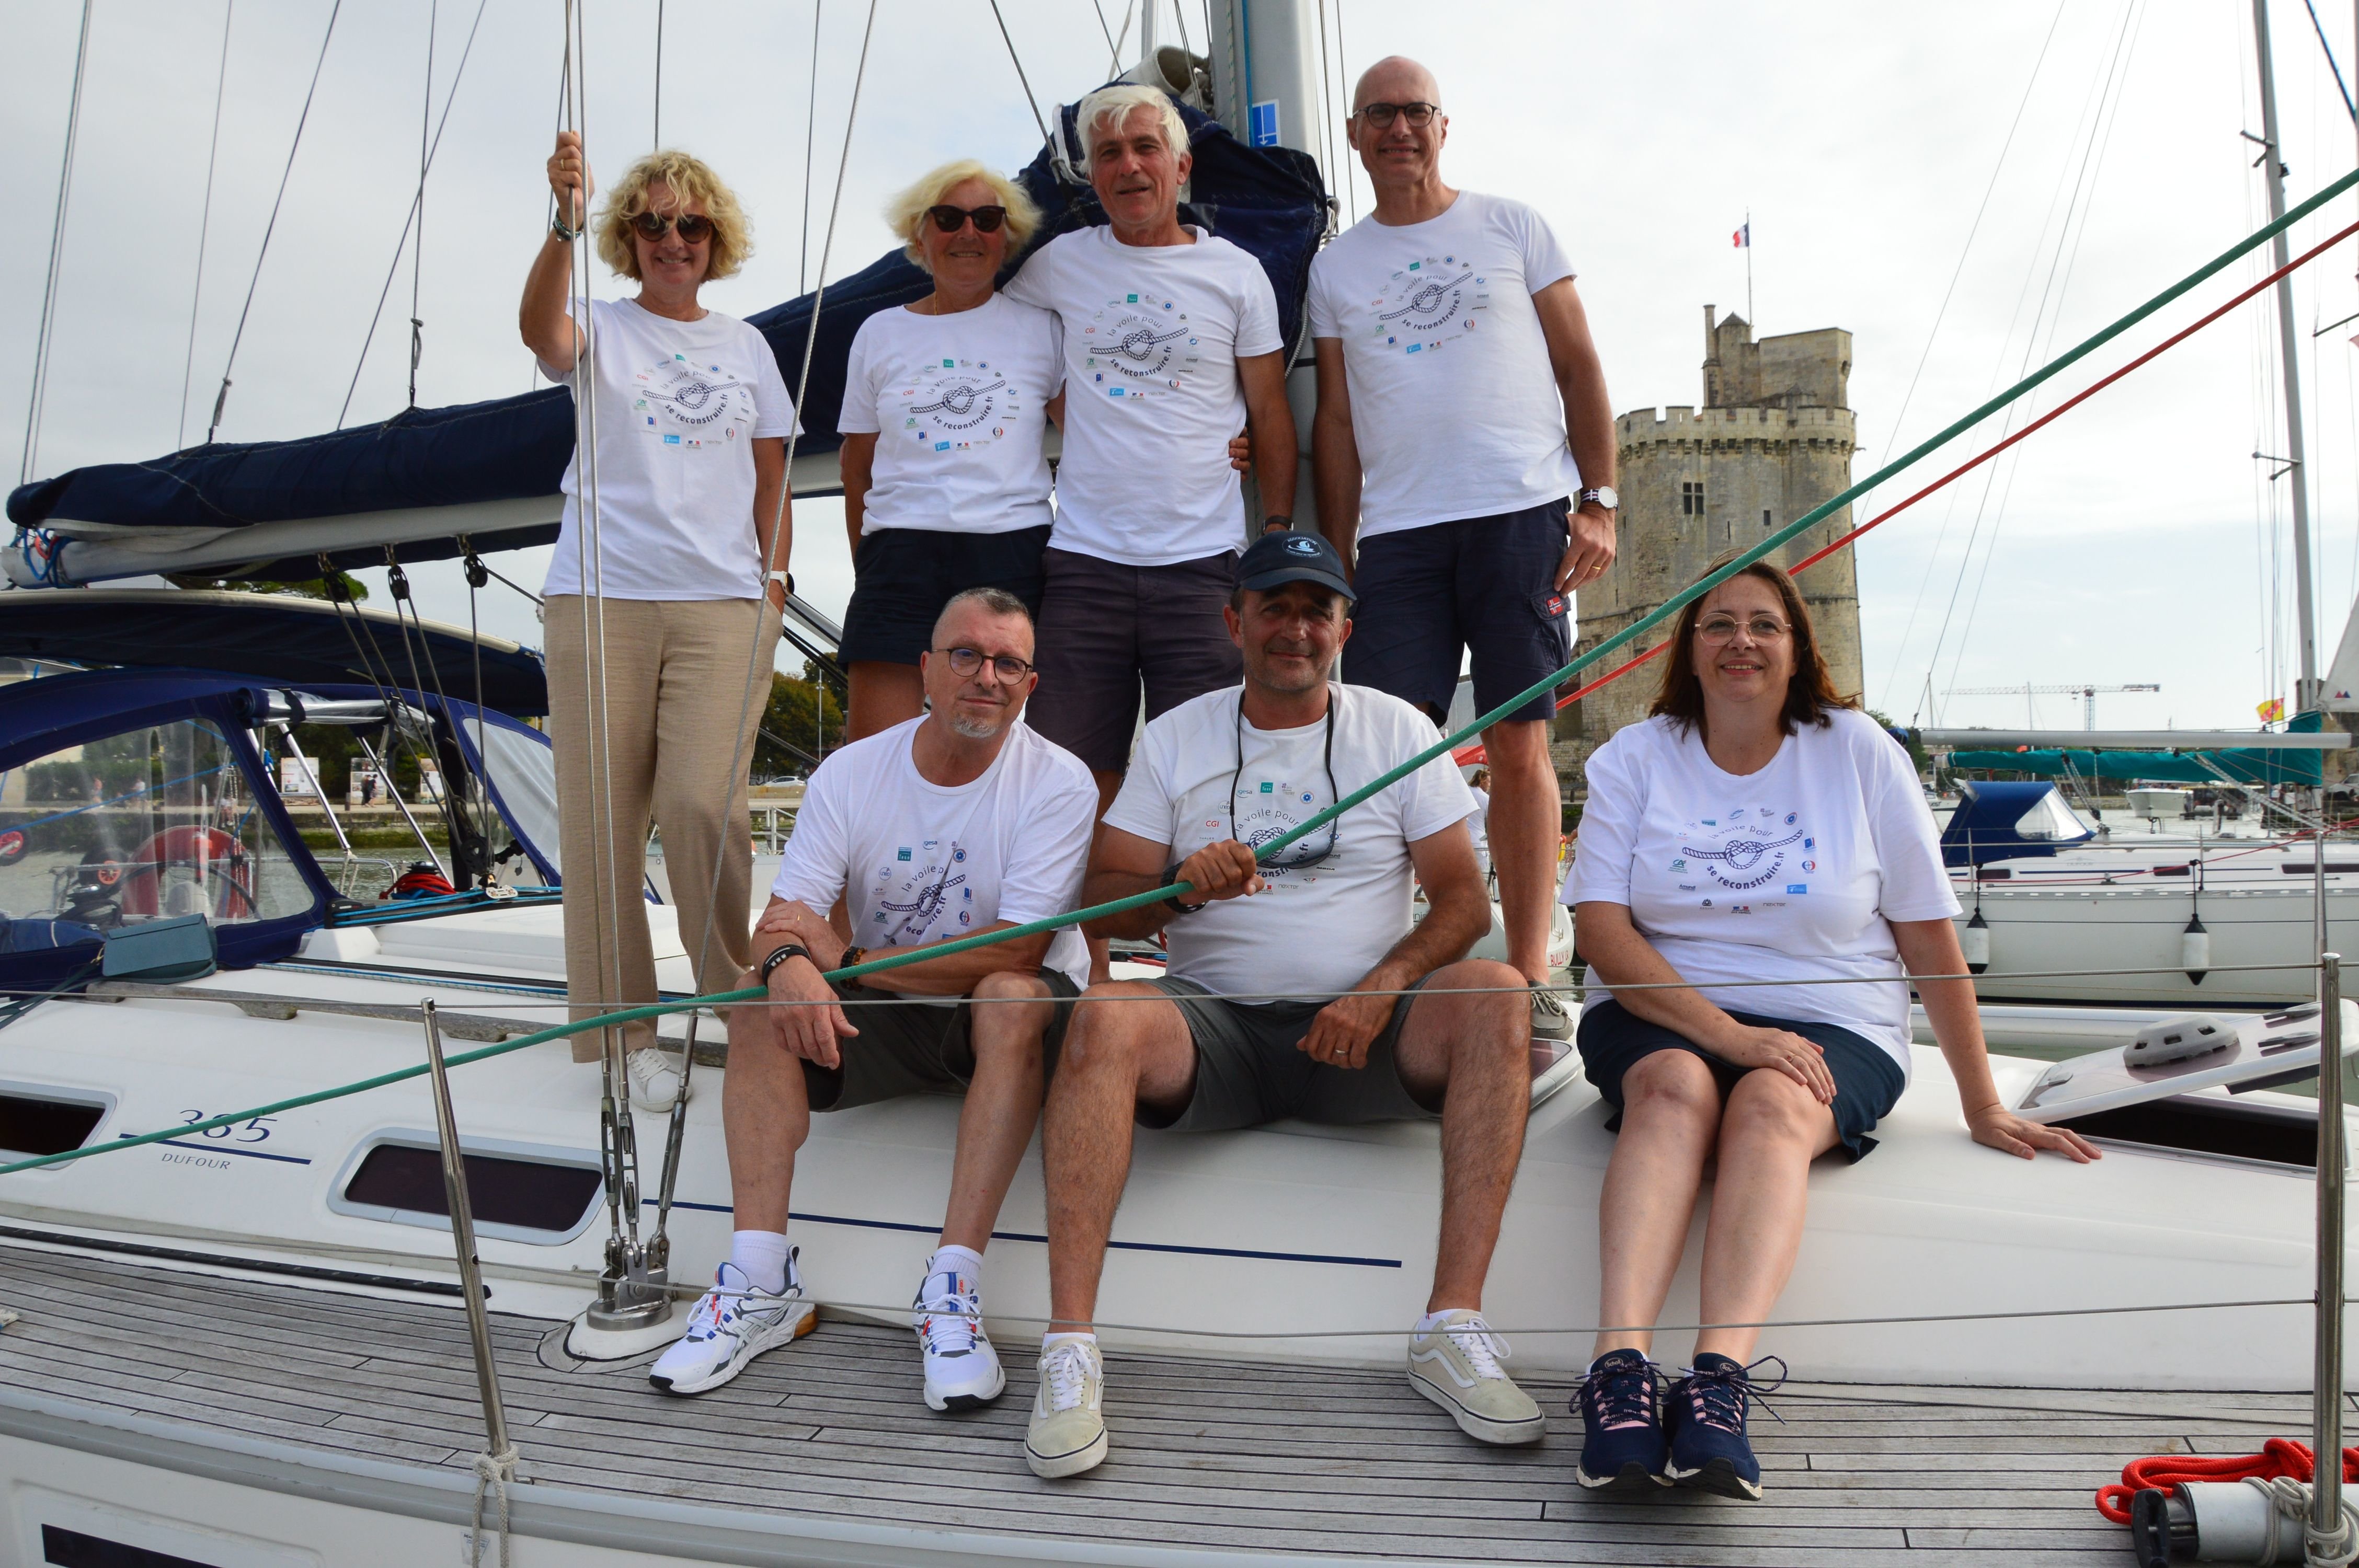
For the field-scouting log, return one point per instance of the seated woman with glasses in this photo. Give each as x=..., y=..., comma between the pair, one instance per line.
x=657, y=624
x=946, y=401
x=1758, y=826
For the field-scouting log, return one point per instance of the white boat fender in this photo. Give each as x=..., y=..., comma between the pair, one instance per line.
x=1974, y=941
x=2195, y=950
x=2177, y=1037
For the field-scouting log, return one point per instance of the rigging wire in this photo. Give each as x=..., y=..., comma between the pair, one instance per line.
x=221, y=398
x=418, y=206
x=57, y=252
x=1940, y=315
x=656, y=137
x=810, y=130
x=393, y=269
x=204, y=226
x=2327, y=49
x=1029, y=101
x=1343, y=69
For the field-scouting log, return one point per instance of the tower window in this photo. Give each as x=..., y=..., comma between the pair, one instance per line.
x=1765, y=517
x=1690, y=499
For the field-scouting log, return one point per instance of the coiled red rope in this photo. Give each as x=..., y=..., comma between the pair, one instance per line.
x=2278, y=1456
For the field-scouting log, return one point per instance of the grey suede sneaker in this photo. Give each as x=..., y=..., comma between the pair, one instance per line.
x=1068, y=1434
x=1549, y=1018
x=1457, y=1366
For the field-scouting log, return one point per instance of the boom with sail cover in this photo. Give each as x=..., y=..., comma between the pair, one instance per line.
x=487, y=474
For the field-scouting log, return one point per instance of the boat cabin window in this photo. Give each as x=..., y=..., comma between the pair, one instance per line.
x=538, y=1200
x=2049, y=819
x=155, y=822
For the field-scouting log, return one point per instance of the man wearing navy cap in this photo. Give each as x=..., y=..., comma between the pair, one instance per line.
x=1329, y=1025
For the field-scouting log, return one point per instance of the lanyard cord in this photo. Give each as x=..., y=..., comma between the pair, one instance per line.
x=1334, y=828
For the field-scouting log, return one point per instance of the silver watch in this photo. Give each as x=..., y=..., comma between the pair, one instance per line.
x=1605, y=495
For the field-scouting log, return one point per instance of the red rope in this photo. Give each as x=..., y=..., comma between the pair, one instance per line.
x=1474, y=753
x=2278, y=1456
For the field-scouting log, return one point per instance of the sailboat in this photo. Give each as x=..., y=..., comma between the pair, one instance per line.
x=256, y=1341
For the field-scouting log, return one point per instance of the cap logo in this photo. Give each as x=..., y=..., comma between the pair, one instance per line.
x=1302, y=544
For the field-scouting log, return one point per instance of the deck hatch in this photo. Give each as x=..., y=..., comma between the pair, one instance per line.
x=523, y=1195
x=2199, y=1124
x=33, y=1123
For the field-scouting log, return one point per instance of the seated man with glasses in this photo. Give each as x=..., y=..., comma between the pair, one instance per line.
x=1294, y=986
x=958, y=822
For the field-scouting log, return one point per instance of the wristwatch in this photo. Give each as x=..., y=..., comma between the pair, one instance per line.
x=1171, y=877
x=785, y=580
x=1276, y=521
x=1605, y=495
x=785, y=951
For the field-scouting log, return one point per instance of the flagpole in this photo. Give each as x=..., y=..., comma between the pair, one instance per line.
x=1749, y=273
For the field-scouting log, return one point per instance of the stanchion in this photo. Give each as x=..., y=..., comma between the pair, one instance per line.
x=463, y=1233
x=2326, y=1524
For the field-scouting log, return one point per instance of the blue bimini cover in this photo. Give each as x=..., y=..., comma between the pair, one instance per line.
x=1270, y=200
x=2010, y=821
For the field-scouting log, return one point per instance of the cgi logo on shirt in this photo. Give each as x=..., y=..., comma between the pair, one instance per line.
x=1145, y=343
x=1431, y=301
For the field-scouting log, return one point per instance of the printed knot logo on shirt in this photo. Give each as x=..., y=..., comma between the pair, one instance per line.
x=1746, y=849
x=917, y=891
x=957, y=405
x=1431, y=301
x=688, y=405
x=1139, y=346
x=1270, y=808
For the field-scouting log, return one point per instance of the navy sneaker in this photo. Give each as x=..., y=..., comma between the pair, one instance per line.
x=1621, y=1425
x=1706, y=1418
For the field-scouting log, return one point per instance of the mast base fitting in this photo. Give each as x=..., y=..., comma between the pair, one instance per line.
x=586, y=1342
x=630, y=1315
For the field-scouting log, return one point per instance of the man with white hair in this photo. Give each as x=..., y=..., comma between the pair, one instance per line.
x=1463, y=437
x=957, y=822
x=1171, y=346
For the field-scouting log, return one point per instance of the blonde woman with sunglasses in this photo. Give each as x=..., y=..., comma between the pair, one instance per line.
x=692, y=420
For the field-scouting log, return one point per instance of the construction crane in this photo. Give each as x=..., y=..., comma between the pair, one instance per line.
x=2087, y=693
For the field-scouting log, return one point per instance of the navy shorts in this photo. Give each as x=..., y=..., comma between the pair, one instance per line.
x=1110, y=630
x=1484, y=584
x=1867, y=1080
x=903, y=576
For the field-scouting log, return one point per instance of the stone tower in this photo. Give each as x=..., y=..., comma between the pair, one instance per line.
x=1773, y=439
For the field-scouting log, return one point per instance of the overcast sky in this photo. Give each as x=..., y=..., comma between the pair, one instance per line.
x=2136, y=540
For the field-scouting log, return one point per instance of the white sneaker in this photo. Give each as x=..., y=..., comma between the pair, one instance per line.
x=963, y=1370
x=1456, y=1365
x=1068, y=1433
x=731, y=1324
x=655, y=1079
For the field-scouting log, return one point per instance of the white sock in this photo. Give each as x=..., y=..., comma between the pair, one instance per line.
x=1433, y=1321
x=761, y=1257
x=963, y=1261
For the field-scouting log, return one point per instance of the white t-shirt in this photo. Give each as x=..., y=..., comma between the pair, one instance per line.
x=680, y=406
x=957, y=406
x=1454, y=408
x=1318, y=929
x=916, y=863
x=1479, y=825
x=1153, y=334
x=1790, y=872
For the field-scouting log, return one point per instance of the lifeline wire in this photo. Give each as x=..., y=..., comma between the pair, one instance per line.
x=1670, y=608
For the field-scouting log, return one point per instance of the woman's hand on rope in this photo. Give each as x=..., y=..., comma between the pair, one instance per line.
x=1342, y=1031
x=1781, y=1050
x=1226, y=870
x=568, y=181
x=1995, y=1126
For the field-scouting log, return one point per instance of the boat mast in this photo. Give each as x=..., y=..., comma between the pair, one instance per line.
x=2306, y=690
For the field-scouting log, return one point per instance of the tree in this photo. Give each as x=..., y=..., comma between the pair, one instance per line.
x=794, y=715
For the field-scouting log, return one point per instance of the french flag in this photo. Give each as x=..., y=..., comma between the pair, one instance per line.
x=1743, y=239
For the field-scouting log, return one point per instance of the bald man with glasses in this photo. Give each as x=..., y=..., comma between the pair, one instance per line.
x=1463, y=441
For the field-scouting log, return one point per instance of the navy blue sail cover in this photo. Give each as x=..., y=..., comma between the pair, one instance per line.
x=1270, y=200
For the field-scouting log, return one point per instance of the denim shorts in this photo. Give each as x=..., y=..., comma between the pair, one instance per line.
x=1485, y=585
x=903, y=576
x=1867, y=1080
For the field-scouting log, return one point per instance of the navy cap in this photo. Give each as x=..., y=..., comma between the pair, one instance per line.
x=1277, y=558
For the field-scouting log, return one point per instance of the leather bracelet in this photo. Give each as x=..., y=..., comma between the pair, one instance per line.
x=781, y=954
x=851, y=956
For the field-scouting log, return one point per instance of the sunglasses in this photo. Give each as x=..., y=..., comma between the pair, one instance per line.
x=694, y=228
x=950, y=220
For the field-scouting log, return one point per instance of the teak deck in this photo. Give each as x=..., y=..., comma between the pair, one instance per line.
x=1249, y=1458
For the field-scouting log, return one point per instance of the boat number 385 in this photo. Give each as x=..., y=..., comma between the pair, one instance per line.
x=254, y=1131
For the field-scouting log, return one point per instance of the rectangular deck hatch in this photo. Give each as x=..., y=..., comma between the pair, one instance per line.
x=37, y=1124
x=534, y=1200
x=2276, y=1048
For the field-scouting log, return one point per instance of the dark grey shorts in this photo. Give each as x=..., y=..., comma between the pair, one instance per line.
x=914, y=1045
x=1248, y=1071
x=1108, y=630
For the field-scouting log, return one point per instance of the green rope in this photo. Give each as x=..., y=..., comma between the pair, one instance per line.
x=1670, y=608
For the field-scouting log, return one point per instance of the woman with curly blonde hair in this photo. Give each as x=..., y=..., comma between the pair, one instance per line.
x=692, y=420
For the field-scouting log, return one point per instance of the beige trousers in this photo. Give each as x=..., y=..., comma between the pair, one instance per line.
x=675, y=686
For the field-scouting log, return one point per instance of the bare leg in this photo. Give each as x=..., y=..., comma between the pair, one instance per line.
x=880, y=696
x=765, y=1113
x=1670, y=1113
x=1119, y=1054
x=1477, y=1048
x=1002, y=1103
x=1769, y=1134
x=1101, y=963
x=1526, y=823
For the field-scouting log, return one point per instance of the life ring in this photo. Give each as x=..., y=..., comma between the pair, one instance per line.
x=12, y=846
x=188, y=845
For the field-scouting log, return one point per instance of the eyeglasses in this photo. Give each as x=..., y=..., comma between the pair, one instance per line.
x=695, y=227
x=1380, y=115
x=950, y=220
x=966, y=663
x=1717, y=630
